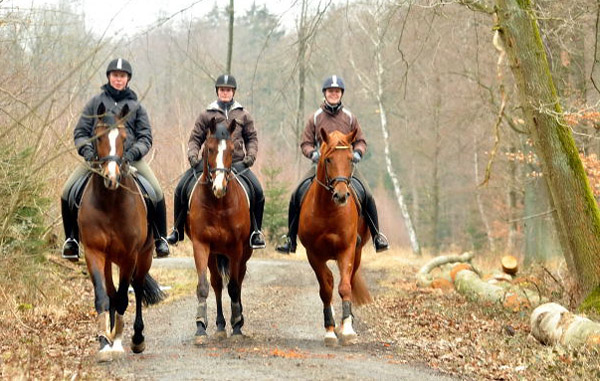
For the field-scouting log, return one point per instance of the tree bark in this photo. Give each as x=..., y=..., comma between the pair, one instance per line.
x=576, y=209
x=230, y=42
x=553, y=324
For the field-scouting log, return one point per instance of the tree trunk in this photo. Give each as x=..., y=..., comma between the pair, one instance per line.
x=230, y=42
x=576, y=209
x=553, y=324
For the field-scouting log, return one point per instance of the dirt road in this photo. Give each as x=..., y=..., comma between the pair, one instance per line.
x=283, y=336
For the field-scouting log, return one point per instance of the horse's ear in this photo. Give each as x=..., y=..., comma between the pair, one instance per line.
x=352, y=136
x=101, y=109
x=212, y=125
x=124, y=111
x=232, y=124
x=324, y=136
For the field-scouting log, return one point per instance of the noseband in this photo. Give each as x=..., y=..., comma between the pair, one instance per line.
x=330, y=182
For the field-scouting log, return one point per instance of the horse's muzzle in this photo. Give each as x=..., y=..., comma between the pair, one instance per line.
x=341, y=196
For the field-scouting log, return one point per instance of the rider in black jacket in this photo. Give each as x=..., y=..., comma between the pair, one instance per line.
x=115, y=95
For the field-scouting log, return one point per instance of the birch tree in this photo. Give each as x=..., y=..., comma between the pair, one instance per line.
x=382, y=16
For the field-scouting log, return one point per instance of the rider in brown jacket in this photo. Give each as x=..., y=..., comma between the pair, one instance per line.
x=245, y=141
x=332, y=116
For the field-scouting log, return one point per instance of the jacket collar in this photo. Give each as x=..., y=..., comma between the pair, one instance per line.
x=215, y=106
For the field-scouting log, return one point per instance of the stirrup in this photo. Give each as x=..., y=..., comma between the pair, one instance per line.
x=260, y=235
x=384, y=248
x=74, y=254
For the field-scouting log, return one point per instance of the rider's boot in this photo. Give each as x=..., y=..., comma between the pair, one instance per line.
x=257, y=239
x=379, y=239
x=289, y=245
x=70, y=248
x=177, y=233
x=160, y=221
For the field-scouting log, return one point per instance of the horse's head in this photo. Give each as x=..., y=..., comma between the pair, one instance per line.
x=218, y=155
x=335, y=166
x=110, y=135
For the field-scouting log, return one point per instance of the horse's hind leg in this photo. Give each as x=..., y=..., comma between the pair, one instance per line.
x=216, y=282
x=138, y=343
x=325, y=279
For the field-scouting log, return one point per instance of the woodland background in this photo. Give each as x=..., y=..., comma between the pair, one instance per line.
x=467, y=183
x=421, y=76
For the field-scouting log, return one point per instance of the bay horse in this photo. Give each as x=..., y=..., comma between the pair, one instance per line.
x=114, y=230
x=331, y=228
x=218, y=224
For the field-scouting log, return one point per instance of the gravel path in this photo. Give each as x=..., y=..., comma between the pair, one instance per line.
x=283, y=336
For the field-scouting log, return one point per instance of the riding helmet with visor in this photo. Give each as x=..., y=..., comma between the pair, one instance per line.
x=119, y=64
x=226, y=80
x=333, y=82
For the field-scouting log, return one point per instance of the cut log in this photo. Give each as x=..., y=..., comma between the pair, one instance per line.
x=468, y=283
x=553, y=324
x=424, y=279
x=510, y=265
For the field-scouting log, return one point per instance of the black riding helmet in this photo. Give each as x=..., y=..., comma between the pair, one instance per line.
x=333, y=82
x=226, y=80
x=119, y=64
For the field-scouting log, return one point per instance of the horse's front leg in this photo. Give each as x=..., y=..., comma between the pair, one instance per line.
x=216, y=281
x=201, y=253
x=346, y=268
x=325, y=279
x=96, y=268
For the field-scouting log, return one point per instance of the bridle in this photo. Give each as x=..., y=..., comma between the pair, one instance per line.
x=330, y=182
x=210, y=171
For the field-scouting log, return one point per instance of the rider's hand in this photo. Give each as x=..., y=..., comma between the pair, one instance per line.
x=248, y=161
x=128, y=157
x=315, y=156
x=194, y=161
x=356, y=157
x=88, y=153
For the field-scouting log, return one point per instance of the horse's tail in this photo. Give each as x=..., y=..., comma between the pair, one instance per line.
x=151, y=293
x=360, y=292
x=223, y=266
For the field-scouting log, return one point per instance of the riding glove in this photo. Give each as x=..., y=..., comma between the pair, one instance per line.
x=128, y=157
x=315, y=156
x=356, y=157
x=194, y=161
x=248, y=161
x=87, y=152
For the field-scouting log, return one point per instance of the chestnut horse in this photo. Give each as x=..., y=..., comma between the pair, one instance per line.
x=218, y=225
x=331, y=228
x=114, y=230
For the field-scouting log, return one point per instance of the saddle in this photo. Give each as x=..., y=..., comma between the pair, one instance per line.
x=237, y=170
x=148, y=193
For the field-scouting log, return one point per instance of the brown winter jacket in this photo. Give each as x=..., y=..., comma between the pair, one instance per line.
x=343, y=120
x=244, y=136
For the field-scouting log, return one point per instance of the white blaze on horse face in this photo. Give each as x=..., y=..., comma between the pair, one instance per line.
x=112, y=138
x=220, y=178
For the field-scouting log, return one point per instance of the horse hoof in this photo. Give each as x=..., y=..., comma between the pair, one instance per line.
x=220, y=335
x=200, y=340
x=237, y=336
x=331, y=339
x=104, y=356
x=349, y=339
x=138, y=348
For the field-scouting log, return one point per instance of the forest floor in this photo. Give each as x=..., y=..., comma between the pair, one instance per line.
x=406, y=333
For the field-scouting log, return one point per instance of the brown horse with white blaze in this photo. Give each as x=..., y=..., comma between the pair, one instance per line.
x=114, y=231
x=218, y=225
x=331, y=228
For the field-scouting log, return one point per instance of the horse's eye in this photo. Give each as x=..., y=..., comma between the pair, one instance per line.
x=328, y=160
